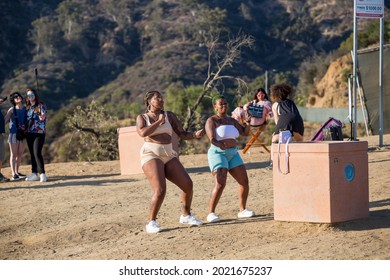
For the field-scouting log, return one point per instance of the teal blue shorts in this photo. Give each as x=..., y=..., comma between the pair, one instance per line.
x=219, y=158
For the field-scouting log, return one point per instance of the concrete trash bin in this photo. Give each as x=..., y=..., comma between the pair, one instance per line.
x=327, y=181
x=129, y=146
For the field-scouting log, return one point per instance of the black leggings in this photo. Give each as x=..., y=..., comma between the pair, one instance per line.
x=35, y=143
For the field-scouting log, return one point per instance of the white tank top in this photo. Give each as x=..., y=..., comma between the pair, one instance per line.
x=226, y=132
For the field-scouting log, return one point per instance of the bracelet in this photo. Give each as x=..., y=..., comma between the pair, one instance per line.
x=194, y=135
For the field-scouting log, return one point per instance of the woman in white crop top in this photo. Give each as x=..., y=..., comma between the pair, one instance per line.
x=223, y=157
x=159, y=160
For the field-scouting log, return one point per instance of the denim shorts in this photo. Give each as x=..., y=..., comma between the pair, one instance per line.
x=219, y=158
x=12, y=138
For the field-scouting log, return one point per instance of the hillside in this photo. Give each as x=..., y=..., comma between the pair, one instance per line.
x=332, y=89
x=80, y=47
x=113, y=51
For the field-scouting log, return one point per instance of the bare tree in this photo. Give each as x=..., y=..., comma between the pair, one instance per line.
x=95, y=129
x=216, y=66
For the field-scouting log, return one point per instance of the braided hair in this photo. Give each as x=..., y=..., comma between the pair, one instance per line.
x=149, y=95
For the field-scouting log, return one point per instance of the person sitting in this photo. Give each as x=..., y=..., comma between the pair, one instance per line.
x=260, y=99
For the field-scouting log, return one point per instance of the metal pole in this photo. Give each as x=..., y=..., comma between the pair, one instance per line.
x=381, y=82
x=354, y=70
x=359, y=90
x=36, y=79
x=349, y=99
x=350, y=105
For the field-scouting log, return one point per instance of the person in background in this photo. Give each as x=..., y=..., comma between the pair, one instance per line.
x=35, y=134
x=286, y=114
x=223, y=157
x=159, y=160
x=2, y=148
x=16, y=116
x=260, y=98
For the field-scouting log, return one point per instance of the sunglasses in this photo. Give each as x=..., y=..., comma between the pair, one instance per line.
x=30, y=94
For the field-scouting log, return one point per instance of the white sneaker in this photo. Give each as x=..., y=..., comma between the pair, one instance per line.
x=246, y=213
x=32, y=177
x=152, y=227
x=190, y=220
x=43, y=177
x=213, y=218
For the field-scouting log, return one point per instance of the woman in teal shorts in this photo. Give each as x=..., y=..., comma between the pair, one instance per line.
x=223, y=157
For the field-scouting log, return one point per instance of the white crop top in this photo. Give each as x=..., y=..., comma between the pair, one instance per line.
x=226, y=132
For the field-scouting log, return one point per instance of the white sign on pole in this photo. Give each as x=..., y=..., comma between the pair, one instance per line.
x=370, y=8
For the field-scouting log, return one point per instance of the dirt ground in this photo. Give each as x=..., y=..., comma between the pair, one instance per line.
x=90, y=211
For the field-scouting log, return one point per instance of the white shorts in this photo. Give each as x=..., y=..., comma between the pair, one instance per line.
x=163, y=152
